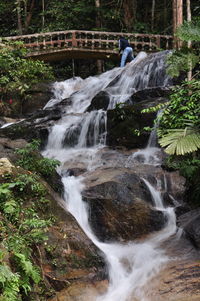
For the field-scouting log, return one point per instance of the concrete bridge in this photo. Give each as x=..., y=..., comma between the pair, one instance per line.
x=80, y=44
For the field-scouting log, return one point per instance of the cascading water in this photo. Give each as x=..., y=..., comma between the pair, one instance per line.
x=77, y=138
x=150, y=154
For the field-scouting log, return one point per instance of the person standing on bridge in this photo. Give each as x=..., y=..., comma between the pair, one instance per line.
x=127, y=54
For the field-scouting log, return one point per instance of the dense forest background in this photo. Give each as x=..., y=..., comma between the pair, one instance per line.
x=143, y=16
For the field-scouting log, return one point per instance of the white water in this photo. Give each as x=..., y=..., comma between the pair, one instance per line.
x=132, y=265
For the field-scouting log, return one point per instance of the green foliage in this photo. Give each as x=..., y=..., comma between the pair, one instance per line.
x=9, y=284
x=159, y=107
x=21, y=228
x=180, y=141
x=30, y=160
x=185, y=58
x=189, y=167
x=181, y=61
x=184, y=107
x=122, y=112
x=189, y=31
x=18, y=74
x=74, y=10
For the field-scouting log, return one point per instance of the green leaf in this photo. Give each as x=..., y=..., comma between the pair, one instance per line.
x=180, y=141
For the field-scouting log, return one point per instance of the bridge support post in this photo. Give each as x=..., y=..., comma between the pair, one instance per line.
x=73, y=69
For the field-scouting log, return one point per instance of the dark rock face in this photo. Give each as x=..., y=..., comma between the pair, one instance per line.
x=115, y=221
x=39, y=95
x=8, y=147
x=35, y=127
x=120, y=206
x=121, y=127
x=190, y=222
x=150, y=94
x=100, y=101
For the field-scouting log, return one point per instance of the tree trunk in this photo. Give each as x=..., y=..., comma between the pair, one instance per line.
x=129, y=7
x=189, y=18
x=165, y=14
x=153, y=14
x=179, y=12
x=174, y=17
x=29, y=15
x=99, y=63
x=19, y=19
x=43, y=11
x=177, y=19
x=98, y=17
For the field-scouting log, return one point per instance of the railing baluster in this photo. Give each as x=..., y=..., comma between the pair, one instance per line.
x=92, y=41
x=74, y=41
x=37, y=43
x=158, y=42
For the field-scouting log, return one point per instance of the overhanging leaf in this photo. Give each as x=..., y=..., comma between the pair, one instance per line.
x=180, y=141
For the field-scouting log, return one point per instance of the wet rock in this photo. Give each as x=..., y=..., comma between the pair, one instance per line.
x=120, y=206
x=190, y=222
x=76, y=171
x=120, y=203
x=8, y=147
x=125, y=126
x=7, y=120
x=150, y=94
x=5, y=166
x=39, y=95
x=100, y=101
x=81, y=291
x=35, y=127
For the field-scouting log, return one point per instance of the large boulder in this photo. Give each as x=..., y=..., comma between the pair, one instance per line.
x=150, y=94
x=126, y=125
x=37, y=98
x=190, y=223
x=120, y=206
x=35, y=127
x=8, y=147
x=100, y=101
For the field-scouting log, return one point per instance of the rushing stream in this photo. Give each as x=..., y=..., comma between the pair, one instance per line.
x=78, y=138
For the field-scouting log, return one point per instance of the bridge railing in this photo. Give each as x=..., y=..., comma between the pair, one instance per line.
x=92, y=40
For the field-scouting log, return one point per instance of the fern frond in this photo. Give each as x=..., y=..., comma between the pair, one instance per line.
x=28, y=267
x=180, y=141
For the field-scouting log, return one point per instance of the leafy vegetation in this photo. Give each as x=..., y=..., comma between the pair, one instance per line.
x=23, y=206
x=18, y=74
x=21, y=229
x=30, y=160
x=179, y=125
x=189, y=167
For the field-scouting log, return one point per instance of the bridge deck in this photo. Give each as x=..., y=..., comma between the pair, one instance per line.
x=60, y=45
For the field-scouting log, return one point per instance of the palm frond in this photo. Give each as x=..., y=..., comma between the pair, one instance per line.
x=180, y=141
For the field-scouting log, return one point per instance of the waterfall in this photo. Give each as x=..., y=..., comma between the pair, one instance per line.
x=150, y=154
x=77, y=138
x=131, y=266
